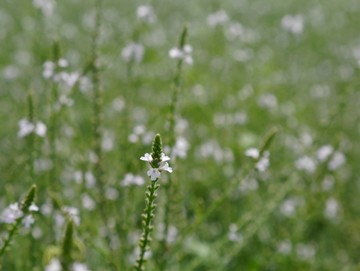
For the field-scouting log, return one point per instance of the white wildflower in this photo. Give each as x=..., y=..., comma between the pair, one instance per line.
x=306, y=163
x=145, y=13
x=73, y=213
x=79, y=267
x=46, y=6
x=153, y=173
x=28, y=221
x=264, y=162
x=11, y=214
x=54, y=265
x=26, y=127
x=337, y=161
x=324, y=152
x=331, y=208
x=131, y=179
x=252, y=153
x=184, y=54
x=133, y=52
x=293, y=23
x=217, y=18
x=147, y=157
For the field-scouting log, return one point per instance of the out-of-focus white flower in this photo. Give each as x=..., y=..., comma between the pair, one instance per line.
x=252, y=153
x=331, y=208
x=267, y=101
x=184, y=53
x=305, y=252
x=306, y=163
x=87, y=202
x=28, y=221
x=181, y=148
x=46, y=6
x=26, y=127
x=264, y=162
x=284, y=247
x=79, y=267
x=54, y=265
x=73, y=213
x=133, y=52
x=11, y=214
x=217, y=18
x=111, y=193
x=33, y=207
x=337, y=161
x=233, y=234
x=131, y=179
x=49, y=68
x=63, y=63
x=324, y=152
x=146, y=13
x=288, y=207
x=293, y=23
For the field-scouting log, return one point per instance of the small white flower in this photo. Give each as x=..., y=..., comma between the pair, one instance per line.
x=73, y=213
x=252, y=153
x=293, y=24
x=133, y=52
x=63, y=63
x=131, y=179
x=26, y=127
x=146, y=14
x=164, y=158
x=40, y=129
x=33, y=207
x=28, y=221
x=54, y=265
x=79, y=267
x=153, y=173
x=217, y=18
x=331, y=208
x=264, y=162
x=337, y=161
x=147, y=157
x=11, y=214
x=49, y=68
x=324, y=152
x=164, y=166
x=185, y=54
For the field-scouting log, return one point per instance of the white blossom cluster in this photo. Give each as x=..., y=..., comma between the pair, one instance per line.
x=184, y=53
x=154, y=173
x=13, y=212
x=27, y=127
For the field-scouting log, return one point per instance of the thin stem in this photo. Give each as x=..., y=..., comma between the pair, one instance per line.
x=148, y=216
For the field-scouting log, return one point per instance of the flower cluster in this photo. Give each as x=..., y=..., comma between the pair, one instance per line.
x=156, y=166
x=182, y=53
x=14, y=212
x=27, y=127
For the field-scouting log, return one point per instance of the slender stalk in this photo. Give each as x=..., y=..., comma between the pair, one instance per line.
x=97, y=124
x=170, y=190
x=148, y=216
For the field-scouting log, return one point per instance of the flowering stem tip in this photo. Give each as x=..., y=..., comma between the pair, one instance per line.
x=158, y=163
x=157, y=160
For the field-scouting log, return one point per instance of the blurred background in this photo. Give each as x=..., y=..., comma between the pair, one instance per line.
x=249, y=66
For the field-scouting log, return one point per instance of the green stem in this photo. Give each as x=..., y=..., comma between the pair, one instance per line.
x=147, y=223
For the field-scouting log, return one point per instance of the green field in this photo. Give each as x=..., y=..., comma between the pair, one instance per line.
x=257, y=104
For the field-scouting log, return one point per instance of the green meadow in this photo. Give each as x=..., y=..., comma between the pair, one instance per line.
x=179, y=135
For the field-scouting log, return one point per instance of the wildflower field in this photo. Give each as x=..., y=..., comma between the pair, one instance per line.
x=179, y=135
